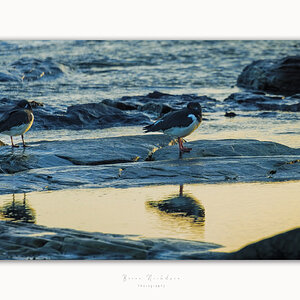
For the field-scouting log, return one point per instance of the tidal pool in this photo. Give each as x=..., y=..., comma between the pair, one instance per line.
x=231, y=215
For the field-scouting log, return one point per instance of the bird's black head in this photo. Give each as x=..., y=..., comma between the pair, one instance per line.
x=24, y=104
x=195, y=106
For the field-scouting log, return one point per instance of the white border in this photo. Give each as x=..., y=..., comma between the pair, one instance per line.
x=156, y=19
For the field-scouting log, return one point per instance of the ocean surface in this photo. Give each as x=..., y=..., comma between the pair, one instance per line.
x=61, y=74
x=89, y=71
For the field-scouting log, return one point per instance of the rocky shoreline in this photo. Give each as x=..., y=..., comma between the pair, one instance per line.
x=20, y=241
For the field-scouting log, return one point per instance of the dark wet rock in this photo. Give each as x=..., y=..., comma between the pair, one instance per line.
x=157, y=108
x=28, y=241
x=254, y=101
x=2, y=144
x=120, y=105
x=280, y=107
x=101, y=114
x=230, y=114
x=161, y=103
x=136, y=110
x=279, y=76
x=156, y=95
x=30, y=69
x=248, y=98
x=86, y=116
x=282, y=246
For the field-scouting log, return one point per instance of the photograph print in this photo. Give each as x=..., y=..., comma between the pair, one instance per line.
x=149, y=149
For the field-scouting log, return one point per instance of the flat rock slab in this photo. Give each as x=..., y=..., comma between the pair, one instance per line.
x=132, y=161
x=224, y=148
x=28, y=241
x=80, y=152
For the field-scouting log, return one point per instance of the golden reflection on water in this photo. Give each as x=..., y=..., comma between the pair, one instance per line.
x=231, y=215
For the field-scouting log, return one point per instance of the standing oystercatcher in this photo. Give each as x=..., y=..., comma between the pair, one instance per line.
x=17, y=121
x=179, y=124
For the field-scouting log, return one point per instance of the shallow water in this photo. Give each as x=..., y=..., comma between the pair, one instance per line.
x=231, y=215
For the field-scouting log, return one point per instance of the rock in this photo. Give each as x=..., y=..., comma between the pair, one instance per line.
x=254, y=101
x=30, y=69
x=230, y=114
x=282, y=246
x=156, y=95
x=158, y=108
x=225, y=148
x=135, y=110
x=28, y=241
x=87, y=116
x=80, y=152
x=119, y=104
x=278, y=76
x=124, y=162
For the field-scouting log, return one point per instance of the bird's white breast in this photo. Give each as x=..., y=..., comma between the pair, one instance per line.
x=184, y=131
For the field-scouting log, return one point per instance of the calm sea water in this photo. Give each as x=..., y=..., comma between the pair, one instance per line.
x=94, y=70
x=66, y=72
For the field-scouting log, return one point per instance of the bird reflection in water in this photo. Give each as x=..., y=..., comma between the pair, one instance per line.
x=181, y=205
x=18, y=211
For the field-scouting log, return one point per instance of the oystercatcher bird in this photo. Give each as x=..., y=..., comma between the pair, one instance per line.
x=17, y=121
x=179, y=124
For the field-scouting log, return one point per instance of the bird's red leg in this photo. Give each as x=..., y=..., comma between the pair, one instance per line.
x=12, y=143
x=181, y=147
x=24, y=145
x=181, y=190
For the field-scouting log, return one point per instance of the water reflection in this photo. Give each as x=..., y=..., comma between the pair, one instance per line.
x=18, y=211
x=181, y=205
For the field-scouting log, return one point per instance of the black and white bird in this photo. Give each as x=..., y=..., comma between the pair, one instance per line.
x=179, y=124
x=17, y=121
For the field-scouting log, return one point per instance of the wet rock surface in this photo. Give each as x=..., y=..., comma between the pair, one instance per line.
x=254, y=101
x=280, y=76
x=28, y=241
x=143, y=110
x=135, y=110
x=282, y=246
x=142, y=160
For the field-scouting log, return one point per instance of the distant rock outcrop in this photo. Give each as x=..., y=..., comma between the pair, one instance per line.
x=278, y=76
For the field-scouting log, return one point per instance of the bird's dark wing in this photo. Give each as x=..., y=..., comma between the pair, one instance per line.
x=173, y=119
x=14, y=118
